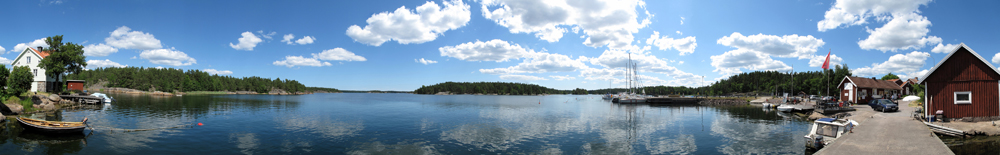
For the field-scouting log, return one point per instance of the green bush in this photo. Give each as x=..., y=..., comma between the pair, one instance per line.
x=19, y=80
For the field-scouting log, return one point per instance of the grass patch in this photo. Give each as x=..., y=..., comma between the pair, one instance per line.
x=205, y=93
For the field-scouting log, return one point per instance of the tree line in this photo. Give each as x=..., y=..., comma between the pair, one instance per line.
x=170, y=79
x=500, y=88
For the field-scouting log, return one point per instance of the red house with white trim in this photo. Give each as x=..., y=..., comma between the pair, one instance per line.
x=962, y=85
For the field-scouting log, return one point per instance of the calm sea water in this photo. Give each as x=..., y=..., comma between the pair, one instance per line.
x=410, y=124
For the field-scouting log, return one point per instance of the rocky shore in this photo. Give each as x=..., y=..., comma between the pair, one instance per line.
x=41, y=103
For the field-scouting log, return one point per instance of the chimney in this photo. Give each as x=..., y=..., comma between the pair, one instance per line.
x=873, y=78
x=39, y=48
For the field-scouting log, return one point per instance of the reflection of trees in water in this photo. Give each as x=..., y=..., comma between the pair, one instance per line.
x=745, y=133
x=421, y=148
x=199, y=105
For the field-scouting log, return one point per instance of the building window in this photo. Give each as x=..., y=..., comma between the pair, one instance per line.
x=34, y=72
x=29, y=60
x=963, y=97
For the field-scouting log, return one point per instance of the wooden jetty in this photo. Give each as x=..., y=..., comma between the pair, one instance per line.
x=82, y=99
x=672, y=100
x=887, y=133
x=945, y=130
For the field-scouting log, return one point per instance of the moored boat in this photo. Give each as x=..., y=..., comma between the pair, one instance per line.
x=104, y=97
x=785, y=108
x=52, y=126
x=825, y=131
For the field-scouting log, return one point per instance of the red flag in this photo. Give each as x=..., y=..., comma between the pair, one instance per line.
x=826, y=64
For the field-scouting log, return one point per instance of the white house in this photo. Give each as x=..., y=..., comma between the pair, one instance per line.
x=30, y=57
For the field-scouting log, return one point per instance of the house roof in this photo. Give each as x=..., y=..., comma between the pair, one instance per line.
x=912, y=81
x=961, y=45
x=42, y=54
x=862, y=82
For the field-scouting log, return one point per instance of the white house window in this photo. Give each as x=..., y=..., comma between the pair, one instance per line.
x=29, y=60
x=963, y=97
x=34, y=72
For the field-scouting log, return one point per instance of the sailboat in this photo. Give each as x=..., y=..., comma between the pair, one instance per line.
x=633, y=83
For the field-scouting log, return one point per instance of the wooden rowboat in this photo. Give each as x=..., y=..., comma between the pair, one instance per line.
x=52, y=126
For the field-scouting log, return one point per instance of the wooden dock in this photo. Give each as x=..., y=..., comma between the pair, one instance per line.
x=887, y=133
x=82, y=99
x=672, y=100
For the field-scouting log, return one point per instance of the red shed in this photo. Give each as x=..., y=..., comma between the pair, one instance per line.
x=74, y=84
x=861, y=90
x=963, y=84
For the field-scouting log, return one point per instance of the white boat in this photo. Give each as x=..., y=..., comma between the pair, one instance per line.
x=785, y=108
x=105, y=98
x=767, y=105
x=826, y=130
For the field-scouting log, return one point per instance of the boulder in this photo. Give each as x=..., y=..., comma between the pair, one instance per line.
x=64, y=102
x=55, y=98
x=48, y=107
x=14, y=109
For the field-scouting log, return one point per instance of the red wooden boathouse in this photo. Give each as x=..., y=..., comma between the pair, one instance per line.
x=963, y=85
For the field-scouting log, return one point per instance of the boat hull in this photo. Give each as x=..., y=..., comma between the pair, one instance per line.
x=47, y=129
x=784, y=109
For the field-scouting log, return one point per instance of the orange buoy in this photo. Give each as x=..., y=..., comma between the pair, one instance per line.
x=199, y=124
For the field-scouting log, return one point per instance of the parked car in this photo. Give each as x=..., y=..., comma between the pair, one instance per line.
x=884, y=105
x=813, y=97
x=829, y=98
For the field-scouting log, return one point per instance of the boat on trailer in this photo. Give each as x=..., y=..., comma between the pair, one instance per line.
x=52, y=126
x=825, y=131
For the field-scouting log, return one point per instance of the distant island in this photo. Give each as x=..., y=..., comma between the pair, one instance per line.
x=487, y=88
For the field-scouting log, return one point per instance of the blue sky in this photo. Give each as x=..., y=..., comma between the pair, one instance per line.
x=401, y=45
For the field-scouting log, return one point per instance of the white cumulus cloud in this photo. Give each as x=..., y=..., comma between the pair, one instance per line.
x=786, y=46
x=93, y=64
x=217, y=72
x=941, y=48
x=339, y=54
x=167, y=57
x=560, y=78
x=425, y=61
x=903, y=32
x=898, y=64
x=247, y=42
x=605, y=22
x=845, y=13
x=521, y=77
x=33, y=44
x=404, y=26
x=540, y=63
x=996, y=58
x=493, y=50
x=336, y=54
x=306, y=40
x=731, y=62
x=292, y=61
x=287, y=39
x=2, y=49
x=5, y=61
x=125, y=38
x=685, y=45
x=98, y=50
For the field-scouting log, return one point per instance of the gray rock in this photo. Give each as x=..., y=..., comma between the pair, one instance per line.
x=15, y=108
x=55, y=98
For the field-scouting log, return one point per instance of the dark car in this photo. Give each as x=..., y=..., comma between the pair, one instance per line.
x=884, y=105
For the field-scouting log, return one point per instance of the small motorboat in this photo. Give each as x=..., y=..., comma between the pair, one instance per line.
x=785, y=108
x=105, y=97
x=825, y=130
x=52, y=126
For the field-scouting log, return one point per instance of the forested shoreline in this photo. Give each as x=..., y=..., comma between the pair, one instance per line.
x=822, y=82
x=171, y=80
